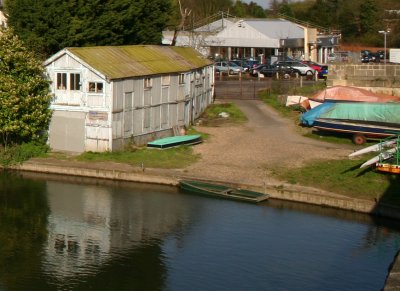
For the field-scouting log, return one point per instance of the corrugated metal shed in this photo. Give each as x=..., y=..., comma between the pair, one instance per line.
x=117, y=62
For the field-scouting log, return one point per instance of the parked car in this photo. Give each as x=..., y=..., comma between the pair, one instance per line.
x=298, y=67
x=332, y=57
x=321, y=69
x=367, y=56
x=240, y=63
x=251, y=64
x=246, y=64
x=381, y=54
x=271, y=70
x=228, y=67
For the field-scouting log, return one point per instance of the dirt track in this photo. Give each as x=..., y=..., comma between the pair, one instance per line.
x=247, y=153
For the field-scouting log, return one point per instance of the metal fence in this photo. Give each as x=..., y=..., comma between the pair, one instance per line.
x=235, y=87
x=240, y=89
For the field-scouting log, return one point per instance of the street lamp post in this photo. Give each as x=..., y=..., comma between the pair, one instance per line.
x=384, y=32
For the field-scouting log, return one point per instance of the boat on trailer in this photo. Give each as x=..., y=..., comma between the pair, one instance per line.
x=360, y=119
x=222, y=191
x=360, y=130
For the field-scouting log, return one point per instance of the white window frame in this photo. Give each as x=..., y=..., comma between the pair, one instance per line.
x=61, y=80
x=95, y=87
x=181, y=78
x=74, y=81
x=148, y=83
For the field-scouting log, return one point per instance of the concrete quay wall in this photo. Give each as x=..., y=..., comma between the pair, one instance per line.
x=170, y=177
x=379, y=78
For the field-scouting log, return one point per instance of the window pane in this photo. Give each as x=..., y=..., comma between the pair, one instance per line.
x=99, y=87
x=75, y=80
x=61, y=81
x=92, y=87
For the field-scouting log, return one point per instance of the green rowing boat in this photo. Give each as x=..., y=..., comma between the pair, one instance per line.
x=222, y=191
x=174, y=141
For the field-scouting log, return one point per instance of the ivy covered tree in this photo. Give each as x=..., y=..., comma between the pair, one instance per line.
x=50, y=25
x=24, y=92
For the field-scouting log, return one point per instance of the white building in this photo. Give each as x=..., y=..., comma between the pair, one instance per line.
x=105, y=97
x=232, y=38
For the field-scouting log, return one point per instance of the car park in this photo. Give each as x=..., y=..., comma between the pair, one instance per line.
x=246, y=64
x=322, y=70
x=251, y=64
x=271, y=70
x=370, y=57
x=298, y=67
x=228, y=67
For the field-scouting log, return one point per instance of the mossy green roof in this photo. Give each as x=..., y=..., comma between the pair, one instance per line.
x=117, y=62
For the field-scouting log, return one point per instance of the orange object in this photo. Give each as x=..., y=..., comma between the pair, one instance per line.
x=354, y=94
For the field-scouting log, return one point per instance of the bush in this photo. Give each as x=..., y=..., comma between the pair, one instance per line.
x=17, y=154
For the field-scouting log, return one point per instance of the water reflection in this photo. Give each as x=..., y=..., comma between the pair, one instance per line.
x=23, y=227
x=90, y=226
x=69, y=233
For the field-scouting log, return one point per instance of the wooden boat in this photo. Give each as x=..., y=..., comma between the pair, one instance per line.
x=174, y=141
x=222, y=191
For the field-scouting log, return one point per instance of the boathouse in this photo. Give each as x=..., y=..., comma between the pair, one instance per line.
x=106, y=97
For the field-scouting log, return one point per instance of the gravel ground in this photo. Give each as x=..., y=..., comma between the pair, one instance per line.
x=246, y=154
x=242, y=154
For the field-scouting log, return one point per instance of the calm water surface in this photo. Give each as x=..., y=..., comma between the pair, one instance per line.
x=72, y=234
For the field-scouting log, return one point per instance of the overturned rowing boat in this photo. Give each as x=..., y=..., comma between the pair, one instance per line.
x=174, y=141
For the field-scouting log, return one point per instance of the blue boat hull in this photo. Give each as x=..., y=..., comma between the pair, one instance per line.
x=354, y=127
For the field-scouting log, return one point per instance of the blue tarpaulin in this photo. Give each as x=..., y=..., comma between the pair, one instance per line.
x=309, y=117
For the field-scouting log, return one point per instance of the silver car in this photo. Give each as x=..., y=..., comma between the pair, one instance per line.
x=228, y=67
x=297, y=66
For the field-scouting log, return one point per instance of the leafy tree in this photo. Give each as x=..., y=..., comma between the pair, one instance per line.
x=348, y=20
x=252, y=9
x=50, y=25
x=286, y=9
x=24, y=92
x=368, y=16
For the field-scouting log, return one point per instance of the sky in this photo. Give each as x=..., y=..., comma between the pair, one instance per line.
x=263, y=3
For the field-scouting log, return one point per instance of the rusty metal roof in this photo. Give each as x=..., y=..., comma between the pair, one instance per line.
x=117, y=62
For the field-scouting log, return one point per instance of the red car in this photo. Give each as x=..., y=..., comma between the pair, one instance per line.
x=321, y=69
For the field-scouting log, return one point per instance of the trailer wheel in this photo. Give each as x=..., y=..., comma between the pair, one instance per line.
x=359, y=139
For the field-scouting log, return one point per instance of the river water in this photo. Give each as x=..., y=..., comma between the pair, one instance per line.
x=63, y=233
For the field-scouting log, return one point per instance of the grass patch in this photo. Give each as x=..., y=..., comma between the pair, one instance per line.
x=345, y=177
x=192, y=131
x=173, y=158
x=212, y=117
x=18, y=153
